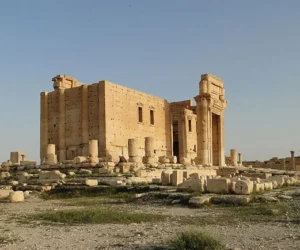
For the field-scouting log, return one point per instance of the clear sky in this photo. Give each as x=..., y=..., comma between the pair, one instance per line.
x=162, y=48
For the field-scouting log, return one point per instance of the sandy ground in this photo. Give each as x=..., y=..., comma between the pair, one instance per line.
x=36, y=235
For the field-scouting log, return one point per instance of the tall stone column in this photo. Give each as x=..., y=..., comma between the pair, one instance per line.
x=61, y=126
x=221, y=140
x=43, y=125
x=202, y=130
x=233, y=157
x=240, y=161
x=85, y=120
x=293, y=165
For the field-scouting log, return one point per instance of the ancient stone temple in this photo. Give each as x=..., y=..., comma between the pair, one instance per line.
x=75, y=113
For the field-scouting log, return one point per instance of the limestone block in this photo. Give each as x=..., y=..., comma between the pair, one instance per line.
x=156, y=180
x=221, y=185
x=165, y=178
x=177, y=177
x=148, y=173
x=17, y=196
x=4, y=175
x=124, y=167
x=279, y=179
x=163, y=159
x=13, y=183
x=185, y=160
x=85, y=171
x=274, y=184
x=191, y=185
x=173, y=159
x=104, y=171
x=79, y=159
x=139, y=180
x=231, y=199
x=71, y=173
x=91, y=183
x=199, y=201
x=150, y=160
x=268, y=185
x=244, y=187
x=6, y=164
x=258, y=187
x=23, y=177
x=4, y=193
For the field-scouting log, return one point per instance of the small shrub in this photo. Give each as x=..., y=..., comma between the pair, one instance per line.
x=196, y=241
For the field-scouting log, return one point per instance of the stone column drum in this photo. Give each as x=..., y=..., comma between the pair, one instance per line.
x=93, y=151
x=233, y=157
x=51, y=157
x=150, y=156
x=133, y=150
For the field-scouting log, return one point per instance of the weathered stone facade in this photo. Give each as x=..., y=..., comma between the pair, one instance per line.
x=76, y=113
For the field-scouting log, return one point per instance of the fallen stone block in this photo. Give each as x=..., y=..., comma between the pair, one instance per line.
x=258, y=187
x=231, y=199
x=268, y=185
x=4, y=193
x=191, y=185
x=244, y=187
x=166, y=178
x=17, y=196
x=221, y=185
x=199, y=201
x=177, y=177
x=91, y=183
x=4, y=175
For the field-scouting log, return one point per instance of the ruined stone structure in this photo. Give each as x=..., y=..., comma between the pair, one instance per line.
x=288, y=163
x=132, y=124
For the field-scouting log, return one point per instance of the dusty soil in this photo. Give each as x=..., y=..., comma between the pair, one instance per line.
x=38, y=235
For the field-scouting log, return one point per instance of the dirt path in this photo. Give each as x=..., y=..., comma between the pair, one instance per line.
x=34, y=235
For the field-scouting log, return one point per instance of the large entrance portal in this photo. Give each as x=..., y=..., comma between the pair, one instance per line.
x=215, y=140
x=175, y=140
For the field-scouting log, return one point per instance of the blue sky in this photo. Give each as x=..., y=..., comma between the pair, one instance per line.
x=162, y=48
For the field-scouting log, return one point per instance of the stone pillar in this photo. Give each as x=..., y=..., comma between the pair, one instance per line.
x=93, y=148
x=150, y=156
x=51, y=156
x=23, y=157
x=43, y=125
x=133, y=150
x=221, y=141
x=202, y=130
x=14, y=157
x=149, y=146
x=85, y=121
x=61, y=126
x=93, y=151
x=293, y=165
x=240, y=160
x=233, y=157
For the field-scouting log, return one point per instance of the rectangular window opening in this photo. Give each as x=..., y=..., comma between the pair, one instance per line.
x=190, y=125
x=151, y=117
x=140, y=114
